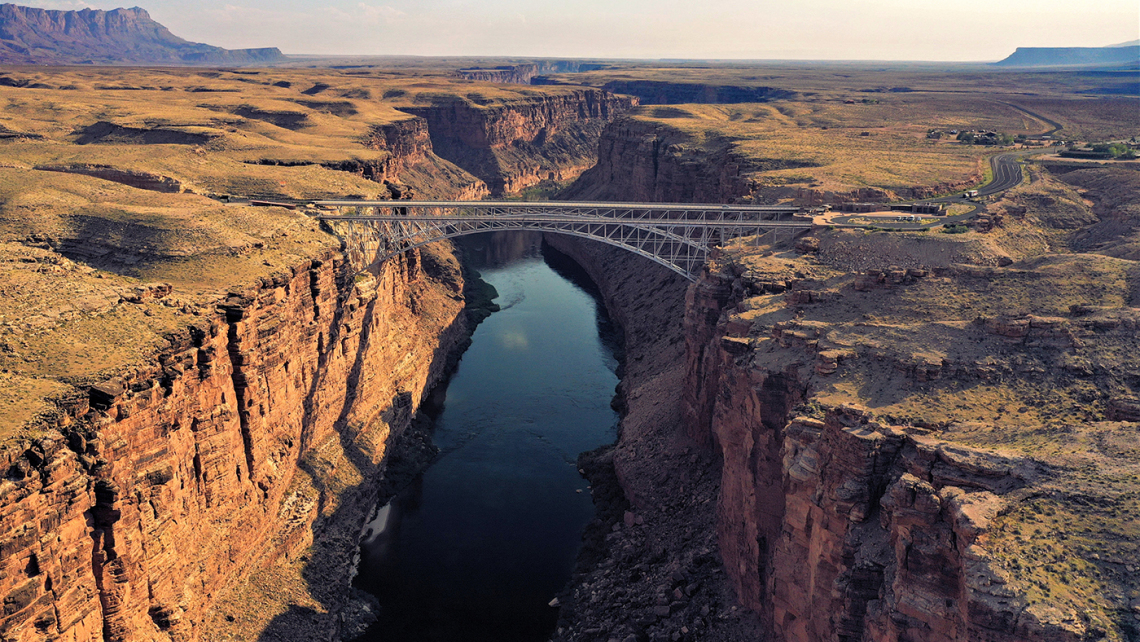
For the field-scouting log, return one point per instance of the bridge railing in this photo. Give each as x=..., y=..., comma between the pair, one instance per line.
x=606, y=210
x=674, y=235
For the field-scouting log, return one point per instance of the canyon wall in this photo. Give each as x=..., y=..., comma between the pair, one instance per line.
x=511, y=146
x=832, y=523
x=412, y=168
x=525, y=73
x=642, y=161
x=654, y=92
x=840, y=525
x=124, y=517
x=250, y=446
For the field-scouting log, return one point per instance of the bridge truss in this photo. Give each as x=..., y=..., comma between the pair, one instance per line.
x=679, y=237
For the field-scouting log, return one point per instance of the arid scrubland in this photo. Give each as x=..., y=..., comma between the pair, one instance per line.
x=1017, y=341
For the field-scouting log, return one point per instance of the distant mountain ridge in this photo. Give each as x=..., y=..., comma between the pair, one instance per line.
x=1122, y=55
x=32, y=36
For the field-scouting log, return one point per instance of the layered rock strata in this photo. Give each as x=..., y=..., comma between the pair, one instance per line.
x=126, y=515
x=511, y=146
x=645, y=162
x=526, y=73
x=842, y=525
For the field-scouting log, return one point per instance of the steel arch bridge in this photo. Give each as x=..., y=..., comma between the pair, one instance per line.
x=677, y=236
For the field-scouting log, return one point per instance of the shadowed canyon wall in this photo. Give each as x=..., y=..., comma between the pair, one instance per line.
x=844, y=527
x=838, y=525
x=171, y=482
x=642, y=160
x=513, y=146
x=225, y=452
x=263, y=428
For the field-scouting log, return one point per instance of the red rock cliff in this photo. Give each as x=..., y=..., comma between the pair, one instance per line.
x=845, y=527
x=515, y=144
x=645, y=162
x=128, y=514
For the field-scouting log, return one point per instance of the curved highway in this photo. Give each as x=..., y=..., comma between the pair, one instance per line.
x=1007, y=173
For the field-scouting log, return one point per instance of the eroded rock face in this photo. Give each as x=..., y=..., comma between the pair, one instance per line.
x=408, y=142
x=842, y=526
x=675, y=93
x=514, y=145
x=526, y=73
x=167, y=484
x=140, y=180
x=645, y=162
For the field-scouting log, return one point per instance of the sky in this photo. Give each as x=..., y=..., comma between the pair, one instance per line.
x=920, y=30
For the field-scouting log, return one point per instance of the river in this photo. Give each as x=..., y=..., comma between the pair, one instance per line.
x=480, y=543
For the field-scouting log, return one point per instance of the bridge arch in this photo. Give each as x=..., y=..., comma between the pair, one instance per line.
x=676, y=236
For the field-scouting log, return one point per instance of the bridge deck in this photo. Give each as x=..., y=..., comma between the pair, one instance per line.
x=676, y=235
x=542, y=218
x=568, y=205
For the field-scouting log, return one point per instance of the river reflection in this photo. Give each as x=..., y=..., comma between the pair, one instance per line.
x=481, y=542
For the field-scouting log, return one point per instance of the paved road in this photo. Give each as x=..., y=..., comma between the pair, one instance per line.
x=507, y=206
x=1007, y=174
x=1052, y=123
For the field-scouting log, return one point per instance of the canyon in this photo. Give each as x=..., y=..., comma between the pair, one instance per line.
x=514, y=146
x=525, y=73
x=836, y=521
x=811, y=445
x=231, y=459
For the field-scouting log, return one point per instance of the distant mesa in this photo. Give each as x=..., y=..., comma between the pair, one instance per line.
x=1126, y=55
x=31, y=36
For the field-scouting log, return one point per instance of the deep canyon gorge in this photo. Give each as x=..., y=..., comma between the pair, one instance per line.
x=809, y=445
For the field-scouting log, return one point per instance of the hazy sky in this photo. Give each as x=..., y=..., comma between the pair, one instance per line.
x=756, y=29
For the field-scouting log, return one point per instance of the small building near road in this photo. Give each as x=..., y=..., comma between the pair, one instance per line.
x=928, y=208
x=919, y=208
x=860, y=207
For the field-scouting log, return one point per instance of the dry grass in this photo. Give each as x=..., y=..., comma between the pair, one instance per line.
x=837, y=147
x=67, y=323
x=817, y=79
x=929, y=354
x=227, y=120
x=864, y=126
x=75, y=247
x=1086, y=104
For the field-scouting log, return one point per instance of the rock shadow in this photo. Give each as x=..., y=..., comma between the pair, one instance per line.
x=346, y=611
